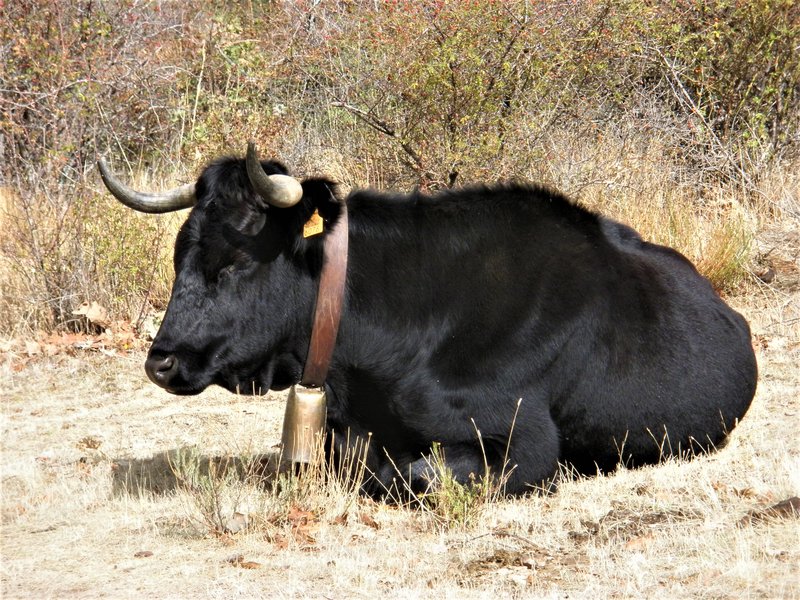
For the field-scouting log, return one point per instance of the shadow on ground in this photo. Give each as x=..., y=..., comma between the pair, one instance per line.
x=166, y=471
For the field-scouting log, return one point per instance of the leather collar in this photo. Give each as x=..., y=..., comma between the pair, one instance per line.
x=330, y=298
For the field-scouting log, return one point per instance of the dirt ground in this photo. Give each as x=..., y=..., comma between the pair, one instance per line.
x=91, y=509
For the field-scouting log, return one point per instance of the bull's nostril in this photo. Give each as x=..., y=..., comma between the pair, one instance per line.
x=161, y=369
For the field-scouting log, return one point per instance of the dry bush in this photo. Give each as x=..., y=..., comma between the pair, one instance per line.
x=58, y=255
x=600, y=100
x=75, y=75
x=245, y=489
x=457, y=89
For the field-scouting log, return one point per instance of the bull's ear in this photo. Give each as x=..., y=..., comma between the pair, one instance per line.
x=320, y=197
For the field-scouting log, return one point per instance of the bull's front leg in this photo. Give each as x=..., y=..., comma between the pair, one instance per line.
x=523, y=465
x=466, y=464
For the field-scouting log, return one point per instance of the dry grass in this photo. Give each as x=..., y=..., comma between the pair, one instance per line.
x=631, y=178
x=87, y=488
x=57, y=253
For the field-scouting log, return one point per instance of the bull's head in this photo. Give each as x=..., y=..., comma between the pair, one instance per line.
x=241, y=305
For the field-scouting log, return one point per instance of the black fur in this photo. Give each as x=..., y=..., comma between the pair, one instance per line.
x=458, y=305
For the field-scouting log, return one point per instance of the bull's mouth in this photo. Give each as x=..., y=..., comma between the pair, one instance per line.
x=246, y=388
x=178, y=385
x=241, y=387
x=191, y=375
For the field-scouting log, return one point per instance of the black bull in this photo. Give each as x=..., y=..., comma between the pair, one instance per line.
x=457, y=306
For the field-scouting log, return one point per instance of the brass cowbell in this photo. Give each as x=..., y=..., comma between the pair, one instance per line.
x=303, y=423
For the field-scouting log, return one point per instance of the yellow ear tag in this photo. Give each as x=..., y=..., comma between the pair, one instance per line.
x=313, y=226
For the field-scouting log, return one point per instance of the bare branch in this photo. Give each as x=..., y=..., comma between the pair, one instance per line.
x=383, y=127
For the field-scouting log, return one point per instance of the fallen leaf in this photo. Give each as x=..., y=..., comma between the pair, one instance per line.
x=148, y=327
x=640, y=542
x=762, y=497
x=237, y=560
x=368, y=520
x=341, y=519
x=224, y=538
x=300, y=517
x=237, y=523
x=301, y=535
x=94, y=313
x=304, y=539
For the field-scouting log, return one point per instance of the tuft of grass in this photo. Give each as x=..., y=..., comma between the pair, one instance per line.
x=454, y=504
x=326, y=484
x=243, y=491
x=726, y=255
x=460, y=505
x=221, y=490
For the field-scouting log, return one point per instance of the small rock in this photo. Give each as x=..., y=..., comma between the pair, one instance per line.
x=783, y=509
x=237, y=523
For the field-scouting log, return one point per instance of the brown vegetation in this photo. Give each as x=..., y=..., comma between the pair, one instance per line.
x=681, y=119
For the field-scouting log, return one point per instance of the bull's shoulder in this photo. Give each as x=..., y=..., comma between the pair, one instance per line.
x=620, y=234
x=630, y=243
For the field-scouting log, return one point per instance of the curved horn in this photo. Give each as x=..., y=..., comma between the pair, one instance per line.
x=278, y=190
x=181, y=197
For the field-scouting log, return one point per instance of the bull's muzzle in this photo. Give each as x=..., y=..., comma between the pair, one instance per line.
x=161, y=369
